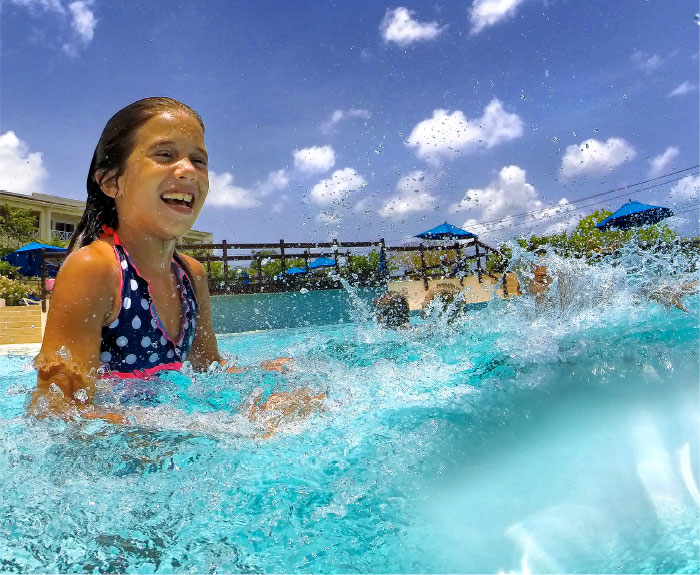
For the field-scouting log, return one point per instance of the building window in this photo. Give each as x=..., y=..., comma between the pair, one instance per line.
x=63, y=231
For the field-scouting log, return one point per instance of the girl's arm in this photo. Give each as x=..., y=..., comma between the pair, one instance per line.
x=81, y=303
x=205, y=349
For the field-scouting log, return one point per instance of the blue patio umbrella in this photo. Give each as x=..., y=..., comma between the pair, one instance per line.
x=446, y=232
x=634, y=214
x=322, y=263
x=28, y=259
x=293, y=271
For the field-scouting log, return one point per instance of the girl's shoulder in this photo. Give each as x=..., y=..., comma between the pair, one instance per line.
x=94, y=261
x=195, y=266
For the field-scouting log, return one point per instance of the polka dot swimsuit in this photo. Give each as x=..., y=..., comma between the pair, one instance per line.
x=136, y=344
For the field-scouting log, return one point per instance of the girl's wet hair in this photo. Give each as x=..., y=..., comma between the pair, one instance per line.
x=109, y=161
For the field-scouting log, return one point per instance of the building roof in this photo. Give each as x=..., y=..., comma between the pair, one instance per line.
x=67, y=204
x=44, y=199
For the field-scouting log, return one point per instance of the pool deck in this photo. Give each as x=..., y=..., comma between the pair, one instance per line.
x=23, y=349
x=474, y=292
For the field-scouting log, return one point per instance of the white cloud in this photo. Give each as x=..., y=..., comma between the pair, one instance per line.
x=684, y=88
x=314, y=160
x=83, y=20
x=41, y=5
x=659, y=164
x=645, y=62
x=338, y=187
x=593, y=156
x=413, y=195
x=448, y=135
x=685, y=190
x=400, y=27
x=21, y=171
x=275, y=182
x=491, y=208
x=78, y=18
x=224, y=193
x=486, y=13
x=340, y=115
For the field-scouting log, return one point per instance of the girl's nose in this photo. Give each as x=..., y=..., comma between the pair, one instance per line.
x=185, y=169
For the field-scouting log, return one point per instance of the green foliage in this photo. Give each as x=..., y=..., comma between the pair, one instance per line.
x=365, y=269
x=12, y=291
x=9, y=271
x=18, y=227
x=587, y=241
x=58, y=242
x=270, y=267
x=497, y=264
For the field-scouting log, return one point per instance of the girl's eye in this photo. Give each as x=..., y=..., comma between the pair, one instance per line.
x=200, y=161
x=166, y=155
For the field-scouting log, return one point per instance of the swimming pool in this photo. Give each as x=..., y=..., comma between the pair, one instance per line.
x=524, y=438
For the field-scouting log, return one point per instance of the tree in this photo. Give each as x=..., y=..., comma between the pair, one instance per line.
x=587, y=241
x=17, y=227
x=270, y=267
x=497, y=263
x=365, y=269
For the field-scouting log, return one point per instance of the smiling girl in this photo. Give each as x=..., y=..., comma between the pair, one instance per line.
x=125, y=303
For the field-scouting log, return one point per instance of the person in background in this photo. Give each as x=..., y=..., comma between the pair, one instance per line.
x=443, y=298
x=540, y=280
x=391, y=310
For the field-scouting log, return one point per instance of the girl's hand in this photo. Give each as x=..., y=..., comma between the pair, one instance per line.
x=279, y=364
x=236, y=369
x=114, y=418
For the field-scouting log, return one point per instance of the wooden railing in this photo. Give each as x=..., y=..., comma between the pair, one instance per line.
x=470, y=256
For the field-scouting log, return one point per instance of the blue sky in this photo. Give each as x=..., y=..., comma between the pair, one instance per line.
x=367, y=119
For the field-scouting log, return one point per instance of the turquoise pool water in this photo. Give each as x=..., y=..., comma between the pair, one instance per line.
x=525, y=437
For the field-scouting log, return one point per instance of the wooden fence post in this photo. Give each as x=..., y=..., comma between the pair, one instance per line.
x=335, y=256
x=478, y=260
x=423, y=267
x=42, y=254
x=383, y=271
x=459, y=262
x=224, y=255
x=284, y=258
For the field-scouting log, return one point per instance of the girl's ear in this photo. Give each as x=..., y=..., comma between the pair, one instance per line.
x=108, y=182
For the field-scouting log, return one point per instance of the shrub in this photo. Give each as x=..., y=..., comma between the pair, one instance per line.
x=12, y=291
x=9, y=271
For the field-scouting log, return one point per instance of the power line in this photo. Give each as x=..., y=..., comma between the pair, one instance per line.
x=552, y=206
x=569, y=213
x=565, y=214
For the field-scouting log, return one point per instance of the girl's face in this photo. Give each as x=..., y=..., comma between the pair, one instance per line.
x=166, y=178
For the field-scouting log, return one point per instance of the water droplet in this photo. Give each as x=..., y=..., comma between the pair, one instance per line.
x=555, y=139
x=53, y=387
x=81, y=395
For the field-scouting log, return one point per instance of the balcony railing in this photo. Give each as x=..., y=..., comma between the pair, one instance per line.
x=63, y=236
